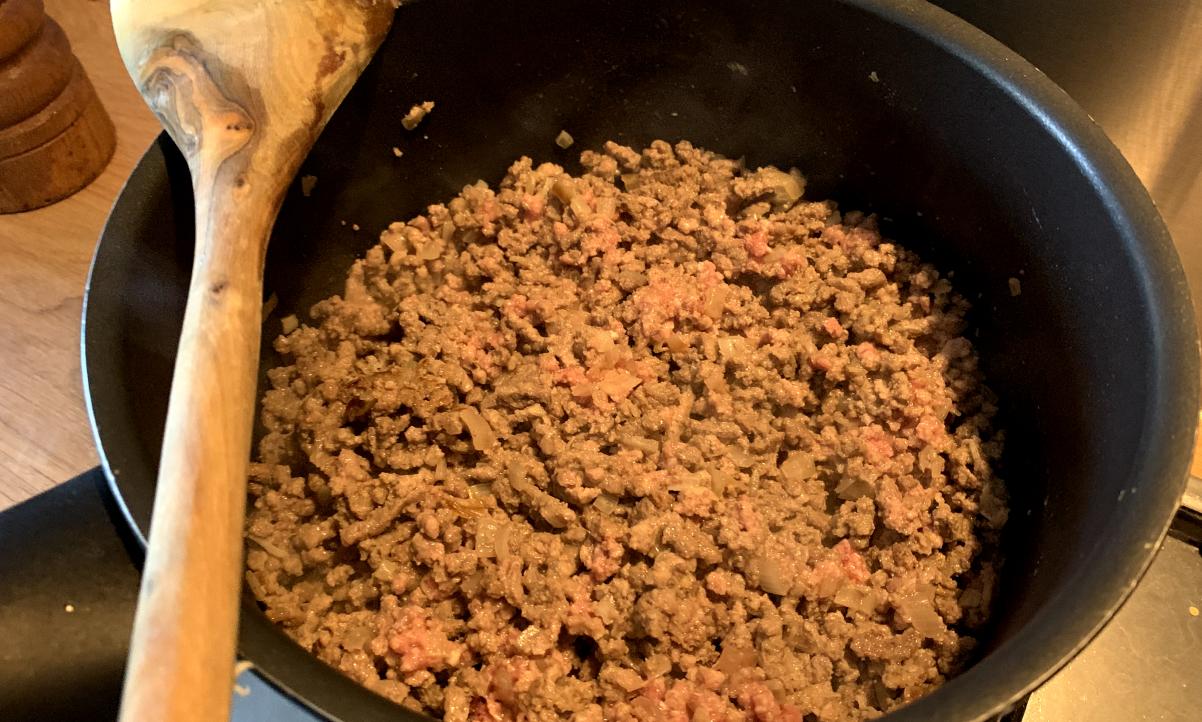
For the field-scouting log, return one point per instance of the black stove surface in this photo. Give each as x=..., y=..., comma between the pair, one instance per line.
x=68, y=585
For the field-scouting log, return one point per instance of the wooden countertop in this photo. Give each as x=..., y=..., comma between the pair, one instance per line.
x=44, y=258
x=44, y=255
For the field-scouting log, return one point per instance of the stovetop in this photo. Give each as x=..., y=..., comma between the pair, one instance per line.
x=65, y=617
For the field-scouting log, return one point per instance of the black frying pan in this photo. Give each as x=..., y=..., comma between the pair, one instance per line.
x=970, y=155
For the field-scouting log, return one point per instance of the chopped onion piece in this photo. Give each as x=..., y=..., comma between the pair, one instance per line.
x=466, y=507
x=501, y=543
x=486, y=536
x=787, y=188
x=677, y=344
x=657, y=665
x=429, y=251
x=720, y=481
x=922, y=615
x=581, y=208
x=627, y=679
x=798, y=467
x=607, y=207
x=606, y=503
x=395, y=241
x=358, y=636
x=270, y=548
x=482, y=492
x=385, y=571
x=732, y=348
x=645, y=445
x=515, y=470
x=601, y=341
x=851, y=488
x=741, y=457
x=646, y=708
x=859, y=599
x=774, y=256
x=716, y=303
x=564, y=190
x=715, y=383
x=482, y=434
x=736, y=657
x=772, y=575
x=618, y=384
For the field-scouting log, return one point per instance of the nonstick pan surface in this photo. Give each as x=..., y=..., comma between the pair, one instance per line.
x=968, y=153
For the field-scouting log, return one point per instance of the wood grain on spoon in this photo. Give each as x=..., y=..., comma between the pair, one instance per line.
x=243, y=87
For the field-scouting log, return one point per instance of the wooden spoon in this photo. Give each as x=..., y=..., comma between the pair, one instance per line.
x=243, y=87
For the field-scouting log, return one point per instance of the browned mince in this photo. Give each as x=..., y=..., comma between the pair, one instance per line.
x=665, y=441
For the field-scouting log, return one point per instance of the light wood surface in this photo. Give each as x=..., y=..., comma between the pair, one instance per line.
x=44, y=256
x=244, y=88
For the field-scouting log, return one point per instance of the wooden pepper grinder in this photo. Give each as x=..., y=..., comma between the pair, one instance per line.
x=55, y=136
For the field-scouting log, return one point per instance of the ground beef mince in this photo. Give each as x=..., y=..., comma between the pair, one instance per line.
x=665, y=441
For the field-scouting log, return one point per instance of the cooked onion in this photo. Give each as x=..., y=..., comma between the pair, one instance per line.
x=385, y=571
x=716, y=303
x=646, y=707
x=657, y=665
x=395, y=241
x=741, y=458
x=466, y=507
x=852, y=487
x=581, y=208
x=715, y=383
x=430, y=251
x=627, y=679
x=357, y=637
x=798, y=467
x=563, y=189
x=515, y=471
x=483, y=437
x=735, y=657
x=618, y=384
x=602, y=341
x=922, y=615
x=501, y=542
x=482, y=492
x=647, y=446
x=772, y=575
x=732, y=347
x=606, y=503
x=270, y=548
x=719, y=481
x=486, y=536
x=787, y=187
x=859, y=599
x=607, y=207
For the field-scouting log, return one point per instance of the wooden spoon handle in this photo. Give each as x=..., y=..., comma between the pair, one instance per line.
x=183, y=647
x=182, y=652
